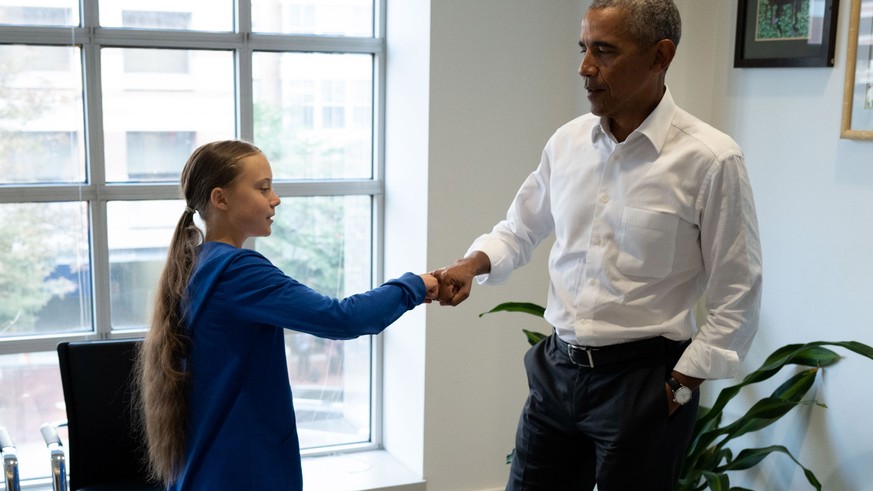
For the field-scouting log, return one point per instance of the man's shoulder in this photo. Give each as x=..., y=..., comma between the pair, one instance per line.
x=696, y=130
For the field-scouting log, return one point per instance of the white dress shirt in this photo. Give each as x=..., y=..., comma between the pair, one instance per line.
x=643, y=230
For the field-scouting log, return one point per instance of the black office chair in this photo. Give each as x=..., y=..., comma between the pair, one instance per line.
x=106, y=451
x=10, y=461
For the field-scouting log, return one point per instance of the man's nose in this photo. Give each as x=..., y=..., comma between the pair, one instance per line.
x=586, y=69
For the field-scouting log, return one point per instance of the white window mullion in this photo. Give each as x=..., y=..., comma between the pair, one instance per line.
x=93, y=97
x=378, y=220
x=245, y=114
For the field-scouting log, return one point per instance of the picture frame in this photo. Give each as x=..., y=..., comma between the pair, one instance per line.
x=786, y=33
x=857, y=121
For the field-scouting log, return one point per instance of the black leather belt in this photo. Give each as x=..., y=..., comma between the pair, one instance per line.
x=595, y=356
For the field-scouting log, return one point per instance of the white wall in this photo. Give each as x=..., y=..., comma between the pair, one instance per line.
x=501, y=79
x=814, y=195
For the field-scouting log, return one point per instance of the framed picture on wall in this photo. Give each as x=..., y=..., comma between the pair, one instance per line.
x=786, y=33
x=857, y=121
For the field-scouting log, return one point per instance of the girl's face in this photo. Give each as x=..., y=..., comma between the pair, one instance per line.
x=251, y=201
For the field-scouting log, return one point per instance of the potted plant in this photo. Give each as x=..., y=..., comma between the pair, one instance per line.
x=708, y=458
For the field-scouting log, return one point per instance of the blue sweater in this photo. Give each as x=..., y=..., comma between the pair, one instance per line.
x=242, y=432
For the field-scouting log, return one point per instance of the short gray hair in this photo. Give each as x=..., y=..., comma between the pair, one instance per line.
x=649, y=20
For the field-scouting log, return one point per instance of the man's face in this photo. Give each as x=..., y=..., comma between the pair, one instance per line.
x=620, y=76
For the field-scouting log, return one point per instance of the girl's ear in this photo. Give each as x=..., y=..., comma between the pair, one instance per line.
x=218, y=199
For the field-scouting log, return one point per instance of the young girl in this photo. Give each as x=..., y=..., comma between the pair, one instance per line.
x=214, y=391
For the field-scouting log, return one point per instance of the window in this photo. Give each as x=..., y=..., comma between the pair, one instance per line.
x=65, y=14
x=97, y=117
x=155, y=155
x=158, y=20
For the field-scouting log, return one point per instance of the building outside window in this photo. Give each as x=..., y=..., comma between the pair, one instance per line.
x=102, y=101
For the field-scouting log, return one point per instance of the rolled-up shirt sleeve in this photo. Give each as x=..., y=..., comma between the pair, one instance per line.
x=733, y=269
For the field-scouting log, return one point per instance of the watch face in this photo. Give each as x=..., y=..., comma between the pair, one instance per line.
x=682, y=395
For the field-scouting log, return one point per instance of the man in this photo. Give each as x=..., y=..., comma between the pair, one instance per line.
x=652, y=210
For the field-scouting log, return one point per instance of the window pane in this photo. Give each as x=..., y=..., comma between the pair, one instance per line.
x=30, y=395
x=313, y=114
x=190, y=15
x=41, y=115
x=156, y=155
x=326, y=17
x=45, y=279
x=325, y=243
x=159, y=105
x=330, y=382
x=139, y=236
x=40, y=13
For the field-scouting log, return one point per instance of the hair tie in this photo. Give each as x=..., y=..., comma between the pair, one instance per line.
x=190, y=210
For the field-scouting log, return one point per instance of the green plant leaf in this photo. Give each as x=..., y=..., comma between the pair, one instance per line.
x=524, y=307
x=750, y=457
x=809, y=354
x=699, y=442
x=709, y=437
x=708, y=462
x=762, y=414
x=816, y=356
x=704, y=454
x=709, y=425
x=688, y=482
x=716, y=457
x=795, y=388
x=534, y=337
x=717, y=482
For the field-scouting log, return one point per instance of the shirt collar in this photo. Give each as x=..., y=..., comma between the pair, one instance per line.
x=654, y=128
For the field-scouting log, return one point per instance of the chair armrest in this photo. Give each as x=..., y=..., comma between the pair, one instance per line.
x=10, y=461
x=58, y=459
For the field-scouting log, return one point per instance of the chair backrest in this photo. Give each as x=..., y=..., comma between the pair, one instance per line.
x=10, y=461
x=97, y=378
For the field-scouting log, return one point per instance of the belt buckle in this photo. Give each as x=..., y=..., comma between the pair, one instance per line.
x=588, y=350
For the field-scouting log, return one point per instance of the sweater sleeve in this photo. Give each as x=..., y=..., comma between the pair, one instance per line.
x=264, y=294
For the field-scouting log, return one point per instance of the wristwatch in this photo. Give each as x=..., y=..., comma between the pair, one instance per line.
x=681, y=394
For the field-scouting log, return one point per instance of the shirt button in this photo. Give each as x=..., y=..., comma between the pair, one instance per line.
x=604, y=199
x=595, y=241
x=592, y=282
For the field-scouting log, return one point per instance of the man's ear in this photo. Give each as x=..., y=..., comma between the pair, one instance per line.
x=665, y=50
x=218, y=199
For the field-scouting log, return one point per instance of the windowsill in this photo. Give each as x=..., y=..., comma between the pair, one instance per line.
x=360, y=471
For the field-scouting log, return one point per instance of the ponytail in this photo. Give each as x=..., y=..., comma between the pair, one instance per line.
x=163, y=380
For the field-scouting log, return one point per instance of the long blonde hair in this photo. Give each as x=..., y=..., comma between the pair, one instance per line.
x=163, y=378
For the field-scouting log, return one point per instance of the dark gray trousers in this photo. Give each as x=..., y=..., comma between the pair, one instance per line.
x=608, y=425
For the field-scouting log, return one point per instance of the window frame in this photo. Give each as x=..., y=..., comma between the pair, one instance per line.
x=90, y=37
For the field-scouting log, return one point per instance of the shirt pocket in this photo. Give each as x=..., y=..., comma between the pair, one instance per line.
x=648, y=243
